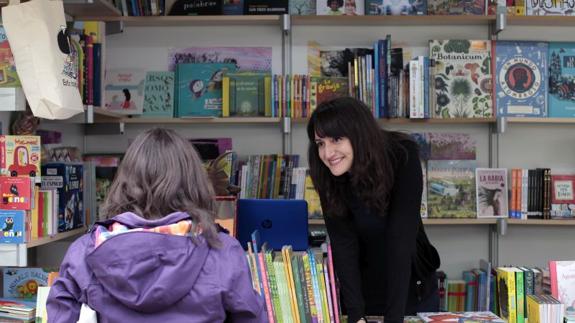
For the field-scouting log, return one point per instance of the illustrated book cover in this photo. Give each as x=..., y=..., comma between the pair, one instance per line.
x=491, y=189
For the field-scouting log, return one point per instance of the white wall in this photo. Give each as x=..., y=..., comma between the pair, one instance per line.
x=460, y=247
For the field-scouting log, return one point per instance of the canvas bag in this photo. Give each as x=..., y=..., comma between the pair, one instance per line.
x=45, y=60
x=87, y=314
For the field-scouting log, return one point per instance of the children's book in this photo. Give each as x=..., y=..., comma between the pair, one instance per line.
x=323, y=89
x=451, y=189
x=562, y=274
x=8, y=74
x=233, y=7
x=491, y=188
x=199, y=88
x=562, y=196
x=452, y=146
x=302, y=7
x=12, y=229
x=521, y=78
x=124, y=91
x=340, y=7
x=561, y=80
x=23, y=282
x=453, y=7
x=396, y=7
x=20, y=155
x=549, y=8
x=335, y=62
x=459, y=317
x=246, y=95
x=67, y=180
x=159, y=94
x=248, y=59
x=16, y=193
x=462, y=78
x=265, y=7
x=193, y=7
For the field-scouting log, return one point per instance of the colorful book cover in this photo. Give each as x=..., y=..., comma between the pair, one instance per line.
x=561, y=80
x=562, y=274
x=159, y=94
x=335, y=62
x=8, y=74
x=462, y=78
x=549, y=8
x=455, y=7
x=12, y=229
x=340, y=7
x=16, y=193
x=396, y=7
x=199, y=88
x=521, y=78
x=459, y=317
x=68, y=180
x=311, y=196
x=452, y=146
x=506, y=294
x=451, y=189
x=491, y=188
x=20, y=155
x=23, y=282
x=323, y=89
x=124, y=91
x=562, y=196
x=250, y=59
x=302, y=7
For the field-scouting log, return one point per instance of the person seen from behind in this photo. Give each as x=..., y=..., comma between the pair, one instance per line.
x=156, y=254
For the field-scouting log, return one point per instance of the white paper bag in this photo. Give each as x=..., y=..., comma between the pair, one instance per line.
x=45, y=60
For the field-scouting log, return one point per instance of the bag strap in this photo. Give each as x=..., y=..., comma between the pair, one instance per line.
x=14, y=2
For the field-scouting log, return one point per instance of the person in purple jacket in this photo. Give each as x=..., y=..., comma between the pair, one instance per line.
x=156, y=254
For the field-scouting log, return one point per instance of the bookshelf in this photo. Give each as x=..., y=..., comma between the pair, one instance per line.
x=79, y=8
x=56, y=237
x=391, y=20
x=179, y=21
x=541, y=222
x=434, y=221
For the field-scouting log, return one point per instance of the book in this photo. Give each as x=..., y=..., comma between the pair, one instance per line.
x=451, y=146
x=562, y=196
x=506, y=294
x=461, y=76
x=247, y=59
x=193, y=7
x=199, y=88
x=549, y=8
x=159, y=94
x=20, y=155
x=451, y=189
x=124, y=91
x=446, y=7
x=561, y=79
x=562, y=274
x=491, y=188
x=17, y=193
x=12, y=226
x=246, y=95
x=459, y=317
x=340, y=8
x=302, y=7
x=23, y=282
x=323, y=89
x=67, y=179
x=396, y=7
x=521, y=78
x=8, y=75
x=266, y=7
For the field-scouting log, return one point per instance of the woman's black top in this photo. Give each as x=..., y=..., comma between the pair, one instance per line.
x=376, y=256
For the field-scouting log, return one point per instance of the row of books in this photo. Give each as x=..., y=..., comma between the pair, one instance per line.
x=335, y=7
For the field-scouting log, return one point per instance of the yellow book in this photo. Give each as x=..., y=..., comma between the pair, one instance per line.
x=322, y=289
x=533, y=307
x=35, y=215
x=309, y=285
x=287, y=255
x=312, y=198
x=268, y=95
x=507, y=296
x=226, y=96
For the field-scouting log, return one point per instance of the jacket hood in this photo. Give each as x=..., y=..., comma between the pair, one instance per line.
x=148, y=271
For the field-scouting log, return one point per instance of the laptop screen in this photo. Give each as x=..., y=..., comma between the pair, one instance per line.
x=279, y=222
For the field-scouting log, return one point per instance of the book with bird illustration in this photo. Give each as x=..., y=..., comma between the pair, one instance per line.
x=491, y=190
x=12, y=226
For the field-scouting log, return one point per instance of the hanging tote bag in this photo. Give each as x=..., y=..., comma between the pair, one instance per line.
x=87, y=315
x=45, y=60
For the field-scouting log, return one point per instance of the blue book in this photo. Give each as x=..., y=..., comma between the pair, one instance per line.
x=199, y=88
x=67, y=179
x=521, y=78
x=12, y=228
x=561, y=80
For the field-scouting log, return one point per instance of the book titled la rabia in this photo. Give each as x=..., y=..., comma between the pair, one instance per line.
x=491, y=189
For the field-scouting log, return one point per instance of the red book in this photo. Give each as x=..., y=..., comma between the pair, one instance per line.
x=16, y=193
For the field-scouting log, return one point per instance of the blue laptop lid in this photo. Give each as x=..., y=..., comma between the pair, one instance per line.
x=279, y=222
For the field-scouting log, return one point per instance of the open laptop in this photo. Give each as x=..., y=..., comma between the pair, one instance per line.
x=279, y=222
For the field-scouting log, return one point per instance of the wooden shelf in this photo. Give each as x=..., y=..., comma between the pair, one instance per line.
x=541, y=120
x=433, y=221
x=80, y=8
x=246, y=120
x=167, y=21
x=56, y=237
x=390, y=20
x=421, y=121
x=541, y=222
x=541, y=20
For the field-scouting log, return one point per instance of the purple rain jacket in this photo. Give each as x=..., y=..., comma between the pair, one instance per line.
x=153, y=277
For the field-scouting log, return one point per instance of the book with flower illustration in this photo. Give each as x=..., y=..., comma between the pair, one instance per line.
x=451, y=189
x=451, y=146
x=461, y=78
